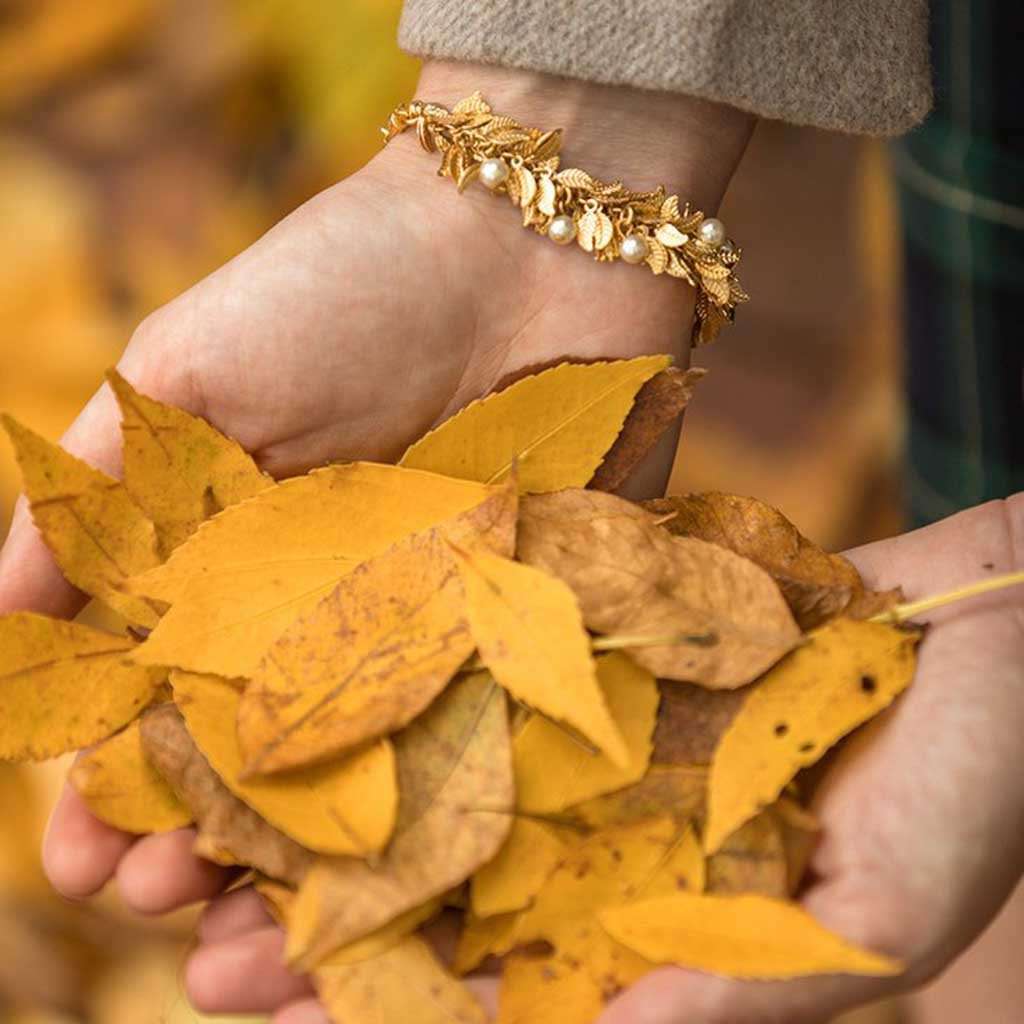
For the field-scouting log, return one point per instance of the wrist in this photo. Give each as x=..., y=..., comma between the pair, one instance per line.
x=644, y=138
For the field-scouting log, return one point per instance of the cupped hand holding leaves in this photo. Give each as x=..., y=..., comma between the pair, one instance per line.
x=922, y=815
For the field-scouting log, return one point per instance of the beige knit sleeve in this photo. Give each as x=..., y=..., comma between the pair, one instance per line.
x=853, y=65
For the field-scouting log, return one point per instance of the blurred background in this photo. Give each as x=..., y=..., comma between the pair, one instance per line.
x=145, y=142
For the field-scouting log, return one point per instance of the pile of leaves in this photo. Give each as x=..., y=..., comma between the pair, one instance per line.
x=475, y=684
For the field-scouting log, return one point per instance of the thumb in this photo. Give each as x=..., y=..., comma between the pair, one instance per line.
x=30, y=579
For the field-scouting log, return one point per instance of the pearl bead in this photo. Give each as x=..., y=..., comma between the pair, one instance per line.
x=494, y=172
x=562, y=229
x=634, y=248
x=712, y=231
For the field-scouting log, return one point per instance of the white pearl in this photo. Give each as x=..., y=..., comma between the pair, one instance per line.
x=712, y=231
x=634, y=248
x=562, y=229
x=494, y=172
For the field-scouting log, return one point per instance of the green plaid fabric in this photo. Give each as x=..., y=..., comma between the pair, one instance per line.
x=961, y=184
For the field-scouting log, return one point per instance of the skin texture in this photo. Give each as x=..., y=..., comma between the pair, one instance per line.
x=388, y=302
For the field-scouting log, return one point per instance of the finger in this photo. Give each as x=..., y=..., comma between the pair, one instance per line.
x=80, y=852
x=160, y=873
x=235, y=913
x=306, y=1011
x=244, y=975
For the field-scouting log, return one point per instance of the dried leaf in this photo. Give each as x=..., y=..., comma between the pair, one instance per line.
x=847, y=672
x=818, y=586
x=529, y=633
x=691, y=721
x=64, y=686
x=178, y=468
x=229, y=831
x=522, y=866
x=123, y=789
x=347, y=807
x=678, y=792
x=801, y=831
x=739, y=936
x=752, y=859
x=659, y=403
x=554, y=427
x=554, y=771
x=97, y=534
x=634, y=579
x=233, y=594
x=455, y=780
x=404, y=984
x=548, y=990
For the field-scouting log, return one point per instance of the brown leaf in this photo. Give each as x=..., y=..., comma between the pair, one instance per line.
x=635, y=579
x=658, y=404
x=691, y=720
x=455, y=779
x=678, y=791
x=817, y=585
x=752, y=859
x=229, y=831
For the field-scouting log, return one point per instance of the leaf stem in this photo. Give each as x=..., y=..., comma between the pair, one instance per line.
x=618, y=642
x=903, y=612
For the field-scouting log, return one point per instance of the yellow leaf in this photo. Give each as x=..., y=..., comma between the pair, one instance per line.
x=402, y=985
x=98, y=535
x=123, y=789
x=64, y=686
x=455, y=780
x=345, y=807
x=554, y=427
x=178, y=468
x=547, y=990
x=554, y=771
x=846, y=672
x=481, y=937
x=374, y=653
x=528, y=629
x=522, y=866
x=280, y=902
x=245, y=576
x=739, y=936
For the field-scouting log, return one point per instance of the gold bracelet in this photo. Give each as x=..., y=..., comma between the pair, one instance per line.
x=569, y=205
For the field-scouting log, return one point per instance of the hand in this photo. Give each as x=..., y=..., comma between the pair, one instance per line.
x=923, y=815
x=376, y=309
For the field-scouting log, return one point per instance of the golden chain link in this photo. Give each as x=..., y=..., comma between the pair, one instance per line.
x=605, y=219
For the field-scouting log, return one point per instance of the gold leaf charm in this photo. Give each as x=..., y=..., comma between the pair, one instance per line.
x=425, y=136
x=546, y=196
x=713, y=271
x=669, y=235
x=677, y=268
x=670, y=208
x=468, y=174
x=586, y=229
x=657, y=256
x=474, y=104
x=718, y=290
x=604, y=231
x=548, y=145
x=573, y=177
x=527, y=186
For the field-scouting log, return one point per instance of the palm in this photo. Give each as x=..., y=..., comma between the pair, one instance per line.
x=354, y=325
